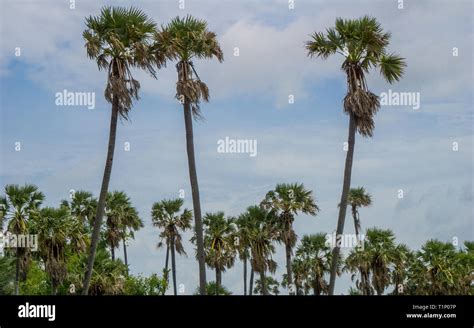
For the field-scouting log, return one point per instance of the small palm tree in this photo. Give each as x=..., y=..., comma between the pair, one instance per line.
x=83, y=207
x=358, y=198
x=286, y=201
x=262, y=234
x=219, y=234
x=167, y=216
x=315, y=255
x=183, y=40
x=53, y=226
x=402, y=259
x=130, y=223
x=271, y=285
x=363, y=45
x=381, y=247
x=18, y=205
x=117, y=40
x=244, y=224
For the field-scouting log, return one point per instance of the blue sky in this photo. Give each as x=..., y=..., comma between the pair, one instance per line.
x=64, y=148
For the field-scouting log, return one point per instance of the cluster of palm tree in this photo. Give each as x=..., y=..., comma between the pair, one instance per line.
x=63, y=236
x=76, y=250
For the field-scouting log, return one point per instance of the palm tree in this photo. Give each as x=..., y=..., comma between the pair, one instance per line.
x=53, y=227
x=402, y=259
x=286, y=201
x=314, y=256
x=363, y=45
x=358, y=262
x=219, y=234
x=130, y=223
x=83, y=207
x=167, y=216
x=185, y=39
x=244, y=223
x=438, y=270
x=18, y=205
x=381, y=248
x=357, y=198
x=262, y=233
x=211, y=289
x=271, y=285
x=117, y=40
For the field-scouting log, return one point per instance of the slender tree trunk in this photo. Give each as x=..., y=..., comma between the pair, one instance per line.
x=125, y=253
x=17, y=272
x=251, y=280
x=245, y=275
x=263, y=283
x=166, y=262
x=356, y=223
x=343, y=203
x=173, y=266
x=112, y=252
x=54, y=288
x=195, y=191
x=218, y=280
x=103, y=195
x=289, y=275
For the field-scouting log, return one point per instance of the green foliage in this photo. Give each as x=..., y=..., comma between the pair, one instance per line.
x=7, y=275
x=36, y=282
x=211, y=289
x=139, y=285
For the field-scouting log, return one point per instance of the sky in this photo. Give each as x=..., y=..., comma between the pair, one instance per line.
x=427, y=152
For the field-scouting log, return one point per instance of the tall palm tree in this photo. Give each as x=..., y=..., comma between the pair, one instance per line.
x=183, y=40
x=167, y=216
x=18, y=205
x=286, y=201
x=117, y=40
x=219, y=234
x=356, y=199
x=315, y=255
x=53, y=226
x=262, y=234
x=363, y=45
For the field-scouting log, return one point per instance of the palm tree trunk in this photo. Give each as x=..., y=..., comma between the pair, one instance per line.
x=251, y=280
x=289, y=275
x=125, y=253
x=103, y=195
x=166, y=263
x=218, y=280
x=356, y=224
x=263, y=283
x=112, y=252
x=343, y=203
x=173, y=266
x=195, y=191
x=245, y=275
x=17, y=272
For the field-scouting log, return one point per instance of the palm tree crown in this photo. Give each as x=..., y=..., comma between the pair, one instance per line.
x=363, y=44
x=118, y=39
